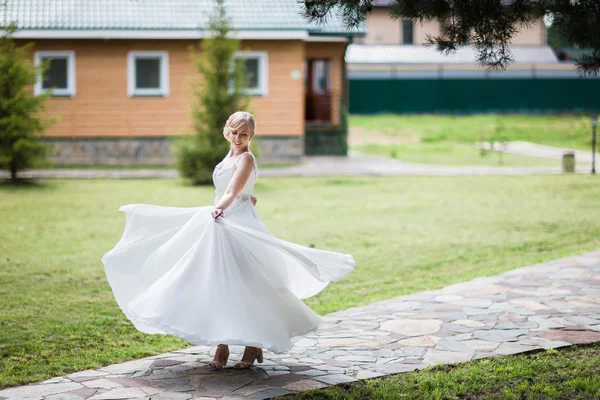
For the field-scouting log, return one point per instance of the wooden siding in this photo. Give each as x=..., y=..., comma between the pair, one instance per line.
x=102, y=108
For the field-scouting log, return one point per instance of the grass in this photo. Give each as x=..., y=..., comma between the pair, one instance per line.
x=568, y=373
x=452, y=154
x=450, y=140
x=407, y=234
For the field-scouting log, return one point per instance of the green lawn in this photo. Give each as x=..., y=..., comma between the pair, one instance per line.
x=567, y=373
x=407, y=234
x=450, y=140
x=452, y=154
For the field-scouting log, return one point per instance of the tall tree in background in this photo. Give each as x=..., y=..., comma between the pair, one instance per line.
x=556, y=39
x=21, y=146
x=488, y=25
x=217, y=97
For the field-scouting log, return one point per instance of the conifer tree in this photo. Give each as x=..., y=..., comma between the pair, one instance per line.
x=217, y=97
x=21, y=125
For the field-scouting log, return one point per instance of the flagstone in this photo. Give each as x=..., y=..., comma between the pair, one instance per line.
x=121, y=393
x=305, y=384
x=335, y=379
x=529, y=304
x=419, y=341
x=573, y=337
x=581, y=320
x=412, y=327
x=505, y=325
x=513, y=348
x=101, y=383
x=434, y=357
x=357, y=359
x=39, y=390
x=594, y=327
x=481, y=345
x=368, y=374
x=87, y=374
x=394, y=368
x=476, y=302
x=451, y=345
x=455, y=328
x=469, y=323
x=129, y=367
x=64, y=396
x=173, y=396
x=462, y=336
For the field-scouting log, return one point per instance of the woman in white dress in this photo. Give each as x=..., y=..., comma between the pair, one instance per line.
x=215, y=275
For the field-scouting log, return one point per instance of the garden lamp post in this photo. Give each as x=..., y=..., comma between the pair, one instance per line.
x=594, y=125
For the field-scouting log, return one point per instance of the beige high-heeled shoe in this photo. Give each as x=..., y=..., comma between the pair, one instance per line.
x=258, y=356
x=216, y=364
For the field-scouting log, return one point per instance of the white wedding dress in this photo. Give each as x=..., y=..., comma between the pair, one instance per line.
x=178, y=271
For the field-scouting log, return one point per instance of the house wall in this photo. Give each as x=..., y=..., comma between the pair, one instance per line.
x=382, y=29
x=103, y=124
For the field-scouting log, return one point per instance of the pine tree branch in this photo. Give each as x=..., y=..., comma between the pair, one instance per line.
x=487, y=25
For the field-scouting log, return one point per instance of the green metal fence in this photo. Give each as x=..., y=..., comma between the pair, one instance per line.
x=368, y=96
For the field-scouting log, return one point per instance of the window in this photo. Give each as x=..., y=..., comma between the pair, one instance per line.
x=256, y=65
x=148, y=73
x=408, y=30
x=60, y=74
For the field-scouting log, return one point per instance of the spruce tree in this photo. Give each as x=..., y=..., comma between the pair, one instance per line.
x=21, y=146
x=217, y=97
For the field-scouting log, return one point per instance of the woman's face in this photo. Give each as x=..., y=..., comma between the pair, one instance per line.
x=239, y=137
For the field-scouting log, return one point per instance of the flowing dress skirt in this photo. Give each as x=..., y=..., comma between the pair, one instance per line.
x=178, y=271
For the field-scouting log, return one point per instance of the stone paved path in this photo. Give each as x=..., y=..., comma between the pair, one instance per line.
x=543, y=306
x=355, y=164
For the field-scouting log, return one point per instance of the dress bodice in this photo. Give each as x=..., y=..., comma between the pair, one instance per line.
x=222, y=175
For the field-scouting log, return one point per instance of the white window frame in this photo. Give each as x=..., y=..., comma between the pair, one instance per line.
x=163, y=90
x=70, y=90
x=263, y=71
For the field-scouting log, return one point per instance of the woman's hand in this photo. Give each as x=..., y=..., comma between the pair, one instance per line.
x=253, y=200
x=217, y=212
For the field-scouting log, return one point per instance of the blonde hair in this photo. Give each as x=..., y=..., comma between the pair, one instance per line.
x=239, y=119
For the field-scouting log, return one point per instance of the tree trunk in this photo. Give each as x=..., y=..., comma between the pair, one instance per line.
x=13, y=171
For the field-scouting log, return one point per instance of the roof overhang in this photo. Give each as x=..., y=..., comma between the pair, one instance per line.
x=423, y=54
x=341, y=39
x=156, y=34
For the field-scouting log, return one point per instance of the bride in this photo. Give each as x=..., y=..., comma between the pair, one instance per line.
x=215, y=275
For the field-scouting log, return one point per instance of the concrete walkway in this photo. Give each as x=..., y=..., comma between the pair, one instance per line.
x=543, y=306
x=539, y=150
x=355, y=164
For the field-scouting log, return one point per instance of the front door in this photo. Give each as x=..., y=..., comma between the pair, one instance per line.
x=318, y=79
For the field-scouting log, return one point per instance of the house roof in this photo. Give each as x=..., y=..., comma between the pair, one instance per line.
x=420, y=54
x=381, y=3
x=164, y=15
